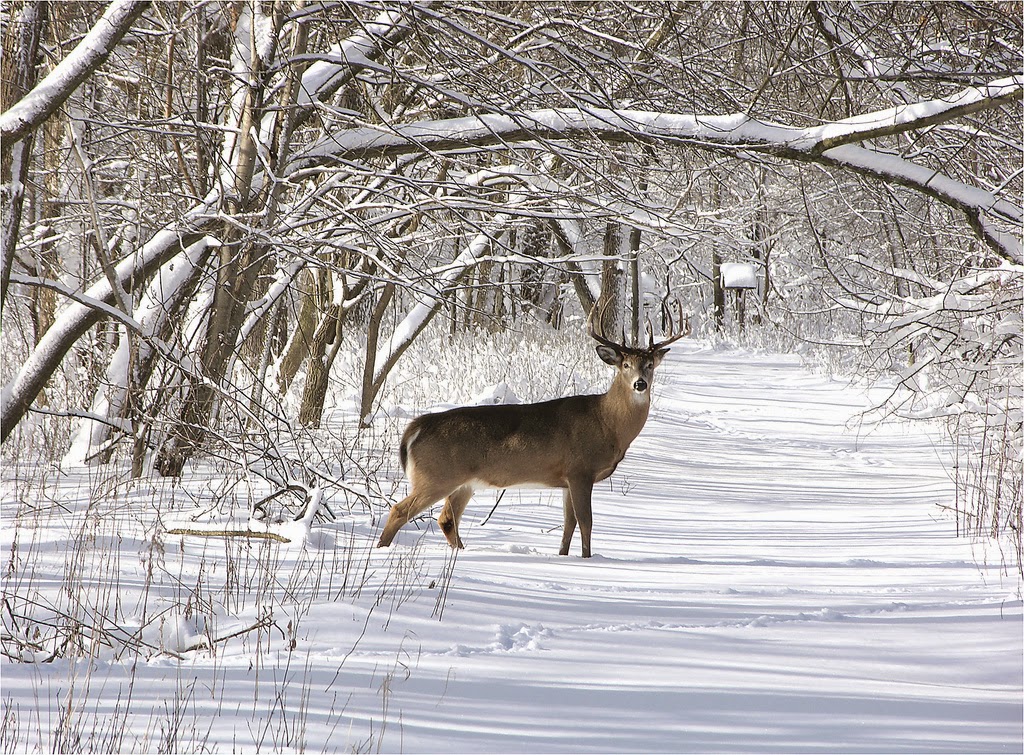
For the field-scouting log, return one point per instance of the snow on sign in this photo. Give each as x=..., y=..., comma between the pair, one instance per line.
x=738, y=275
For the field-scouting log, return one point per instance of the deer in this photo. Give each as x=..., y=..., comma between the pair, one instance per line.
x=569, y=443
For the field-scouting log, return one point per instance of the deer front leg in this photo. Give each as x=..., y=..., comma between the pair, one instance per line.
x=410, y=506
x=580, y=490
x=570, y=523
x=451, y=515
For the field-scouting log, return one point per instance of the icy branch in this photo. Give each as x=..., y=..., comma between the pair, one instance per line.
x=36, y=106
x=831, y=143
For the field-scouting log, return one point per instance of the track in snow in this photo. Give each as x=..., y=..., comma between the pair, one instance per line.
x=771, y=575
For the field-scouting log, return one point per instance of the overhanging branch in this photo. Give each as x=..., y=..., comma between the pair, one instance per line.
x=834, y=144
x=50, y=93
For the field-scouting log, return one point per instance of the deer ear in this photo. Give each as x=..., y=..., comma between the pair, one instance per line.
x=659, y=355
x=609, y=355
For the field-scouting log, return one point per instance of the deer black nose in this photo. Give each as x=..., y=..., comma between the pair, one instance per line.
x=640, y=385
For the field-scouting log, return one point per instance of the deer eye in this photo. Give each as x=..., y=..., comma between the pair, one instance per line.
x=625, y=365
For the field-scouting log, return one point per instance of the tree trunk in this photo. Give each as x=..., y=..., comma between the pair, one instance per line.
x=303, y=328
x=318, y=366
x=718, y=295
x=321, y=358
x=635, y=303
x=762, y=248
x=131, y=369
x=236, y=279
x=29, y=112
x=610, y=305
x=577, y=277
x=76, y=320
x=19, y=66
x=241, y=262
x=370, y=385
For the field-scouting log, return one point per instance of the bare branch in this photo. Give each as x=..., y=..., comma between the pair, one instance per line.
x=50, y=93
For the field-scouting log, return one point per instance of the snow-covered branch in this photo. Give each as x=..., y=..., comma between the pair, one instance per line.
x=831, y=143
x=77, y=318
x=424, y=309
x=36, y=106
x=353, y=54
x=915, y=116
x=975, y=202
x=737, y=131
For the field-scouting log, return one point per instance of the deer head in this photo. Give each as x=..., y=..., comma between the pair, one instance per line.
x=635, y=364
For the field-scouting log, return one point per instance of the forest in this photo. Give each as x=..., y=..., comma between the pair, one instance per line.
x=205, y=202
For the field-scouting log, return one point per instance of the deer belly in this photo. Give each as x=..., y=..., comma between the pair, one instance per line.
x=606, y=473
x=532, y=479
x=501, y=484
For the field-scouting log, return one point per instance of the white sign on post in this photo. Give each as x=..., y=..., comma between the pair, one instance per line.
x=738, y=275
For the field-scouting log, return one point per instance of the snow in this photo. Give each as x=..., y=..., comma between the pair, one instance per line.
x=94, y=48
x=499, y=393
x=738, y=275
x=263, y=35
x=771, y=574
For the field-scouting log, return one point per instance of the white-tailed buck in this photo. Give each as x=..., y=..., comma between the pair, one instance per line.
x=567, y=443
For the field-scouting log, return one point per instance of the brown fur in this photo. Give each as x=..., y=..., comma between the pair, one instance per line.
x=567, y=443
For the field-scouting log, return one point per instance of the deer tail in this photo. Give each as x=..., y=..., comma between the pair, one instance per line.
x=407, y=440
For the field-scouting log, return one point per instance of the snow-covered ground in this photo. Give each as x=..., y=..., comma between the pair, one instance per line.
x=771, y=574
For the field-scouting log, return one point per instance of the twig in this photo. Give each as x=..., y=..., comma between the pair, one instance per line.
x=229, y=533
x=494, y=507
x=265, y=622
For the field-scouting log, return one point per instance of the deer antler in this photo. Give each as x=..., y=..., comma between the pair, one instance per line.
x=674, y=335
x=597, y=336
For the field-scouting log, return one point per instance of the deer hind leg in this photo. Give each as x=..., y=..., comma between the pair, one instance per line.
x=451, y=515
x=570, y=522
x=411, y=506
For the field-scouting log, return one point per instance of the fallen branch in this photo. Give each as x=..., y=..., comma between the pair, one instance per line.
x=229, y=533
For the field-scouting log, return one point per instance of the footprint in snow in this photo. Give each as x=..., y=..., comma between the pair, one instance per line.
x=509, y=638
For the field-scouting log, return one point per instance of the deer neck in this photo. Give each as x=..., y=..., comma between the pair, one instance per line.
x=625, y=410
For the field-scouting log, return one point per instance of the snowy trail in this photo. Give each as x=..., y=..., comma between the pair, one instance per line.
x=769, y=576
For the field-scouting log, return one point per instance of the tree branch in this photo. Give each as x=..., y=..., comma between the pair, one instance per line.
x=73, y=322
x=50, y=93
x=731, y=132
x=831, y=144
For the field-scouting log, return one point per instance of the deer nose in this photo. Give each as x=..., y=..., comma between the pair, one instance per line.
x=640, y=385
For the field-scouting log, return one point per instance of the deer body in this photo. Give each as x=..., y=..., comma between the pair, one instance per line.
x=568, y=443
